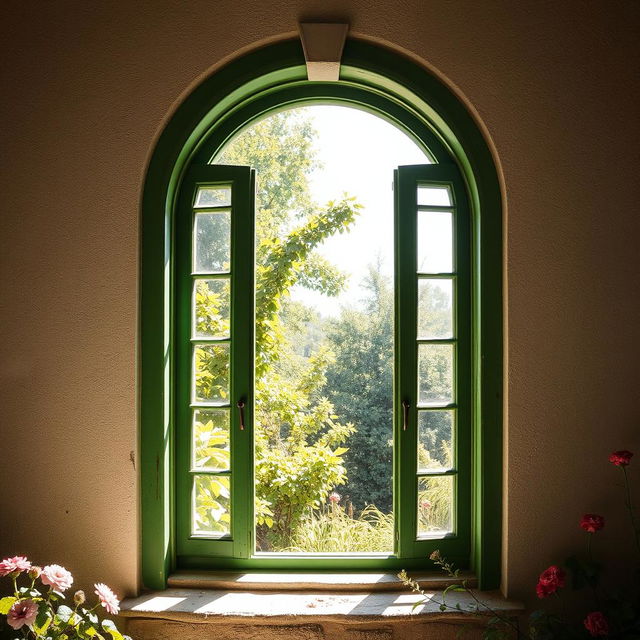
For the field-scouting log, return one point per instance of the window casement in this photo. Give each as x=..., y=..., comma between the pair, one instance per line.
x=196, y=195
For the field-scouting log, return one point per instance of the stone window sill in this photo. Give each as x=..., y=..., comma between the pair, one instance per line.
x=322, y=606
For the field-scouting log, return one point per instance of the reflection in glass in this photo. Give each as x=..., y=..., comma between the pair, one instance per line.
x=212, y=242
x=211, y=506
x=211, y=367
x=435, y=506
x=211, y=308
x=435, y=309
x=213, y=197
x=435, y=374
x=434, y=196
x=435, y=242
x=435, y=440
x=210, y=439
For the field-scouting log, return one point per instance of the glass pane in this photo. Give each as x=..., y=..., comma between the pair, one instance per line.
x=434, y=196
x=435, y=440
x=211, y=366
x=435, y=506
x=211, y=506
x=211, y=308
x=213, y=197
x=435, y=242
x=435, y=374
x=435, y=308
x=212, y=242
x=210, y=439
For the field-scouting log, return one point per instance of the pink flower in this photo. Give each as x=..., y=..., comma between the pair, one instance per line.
x=425, y=504
x=17, y=564
x=21, y=613
x=334, y=497
x=57, y=577
x=107, y=598
x=621, y=458
x=596, y=624
x=550, y=581
x=35, y=572
x=591, y=522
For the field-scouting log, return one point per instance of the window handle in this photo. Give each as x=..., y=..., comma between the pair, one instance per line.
x=405, y=414
x=240, y=406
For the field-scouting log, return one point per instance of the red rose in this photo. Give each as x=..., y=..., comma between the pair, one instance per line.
x=596, y=624
x=621, y=458
x=550, y=581
x=591, y=522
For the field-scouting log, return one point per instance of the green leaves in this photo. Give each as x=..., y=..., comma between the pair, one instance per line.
x=44, y=618
x=110, y=627
x=6, y=604
x=63, y=615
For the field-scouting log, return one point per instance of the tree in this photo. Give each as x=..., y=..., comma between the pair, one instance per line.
x=361, y=388
x=298, y=436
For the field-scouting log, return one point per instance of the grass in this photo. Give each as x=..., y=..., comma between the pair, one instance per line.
x=333, y=530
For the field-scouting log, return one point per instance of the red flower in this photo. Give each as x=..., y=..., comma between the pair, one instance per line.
x=591, y=522
x=621, y=458
x=550, y=581
x=596, y=624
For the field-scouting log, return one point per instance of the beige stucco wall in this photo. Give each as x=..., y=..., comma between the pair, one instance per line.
x=86, y=87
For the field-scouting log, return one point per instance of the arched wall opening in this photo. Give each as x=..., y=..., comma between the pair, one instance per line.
x=244, y=90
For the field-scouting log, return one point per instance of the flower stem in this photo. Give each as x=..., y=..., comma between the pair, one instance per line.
x=636, y=530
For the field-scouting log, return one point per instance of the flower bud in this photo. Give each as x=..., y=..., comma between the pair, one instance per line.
x=34, y=572
x=79, y=597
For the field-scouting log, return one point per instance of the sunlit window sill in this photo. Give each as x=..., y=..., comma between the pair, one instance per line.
x=281, y=581
x=326, y=607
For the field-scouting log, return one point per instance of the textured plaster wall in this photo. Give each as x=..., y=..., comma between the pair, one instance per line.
x=86, y=88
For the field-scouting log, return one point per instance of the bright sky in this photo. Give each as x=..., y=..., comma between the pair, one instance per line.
x=359, y=153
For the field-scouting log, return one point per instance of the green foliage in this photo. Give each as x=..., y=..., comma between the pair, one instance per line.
x=360, y=383
x=212, y=514
x=211, y=440
x=298, y=436
x=49, y=617
x=212, y=308
x=334, y=529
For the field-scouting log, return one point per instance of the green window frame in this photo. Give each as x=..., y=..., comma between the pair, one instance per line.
x=273, y=78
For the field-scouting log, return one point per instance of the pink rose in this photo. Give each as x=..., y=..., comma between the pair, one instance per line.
x=550, y=581
x=57, y=577
x=17, y=564
x=107, y=598
x=21, y=613
x=596, y=624
x=621, y=458
x=35, y=571
x=591, y=522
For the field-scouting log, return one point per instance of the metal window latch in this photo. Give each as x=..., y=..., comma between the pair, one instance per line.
x=240, y=405
x=405, y=414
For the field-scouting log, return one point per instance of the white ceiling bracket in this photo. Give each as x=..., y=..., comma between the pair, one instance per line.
x=323, y=44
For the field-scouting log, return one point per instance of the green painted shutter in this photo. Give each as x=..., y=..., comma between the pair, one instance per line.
x=433, y=362
x=214, y=355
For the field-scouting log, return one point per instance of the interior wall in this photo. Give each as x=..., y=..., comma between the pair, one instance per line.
x=87, y=87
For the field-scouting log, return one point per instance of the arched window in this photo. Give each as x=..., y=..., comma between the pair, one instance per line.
x=199, y=326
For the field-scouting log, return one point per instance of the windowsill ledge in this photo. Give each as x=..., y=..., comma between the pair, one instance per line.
x=303, y=614
x=310, y=581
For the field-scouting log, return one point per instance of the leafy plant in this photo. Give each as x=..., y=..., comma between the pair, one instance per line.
x=37, y=610
x=609, y=613
x=298, y=435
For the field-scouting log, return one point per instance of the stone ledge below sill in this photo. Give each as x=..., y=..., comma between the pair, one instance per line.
x=195, y=614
